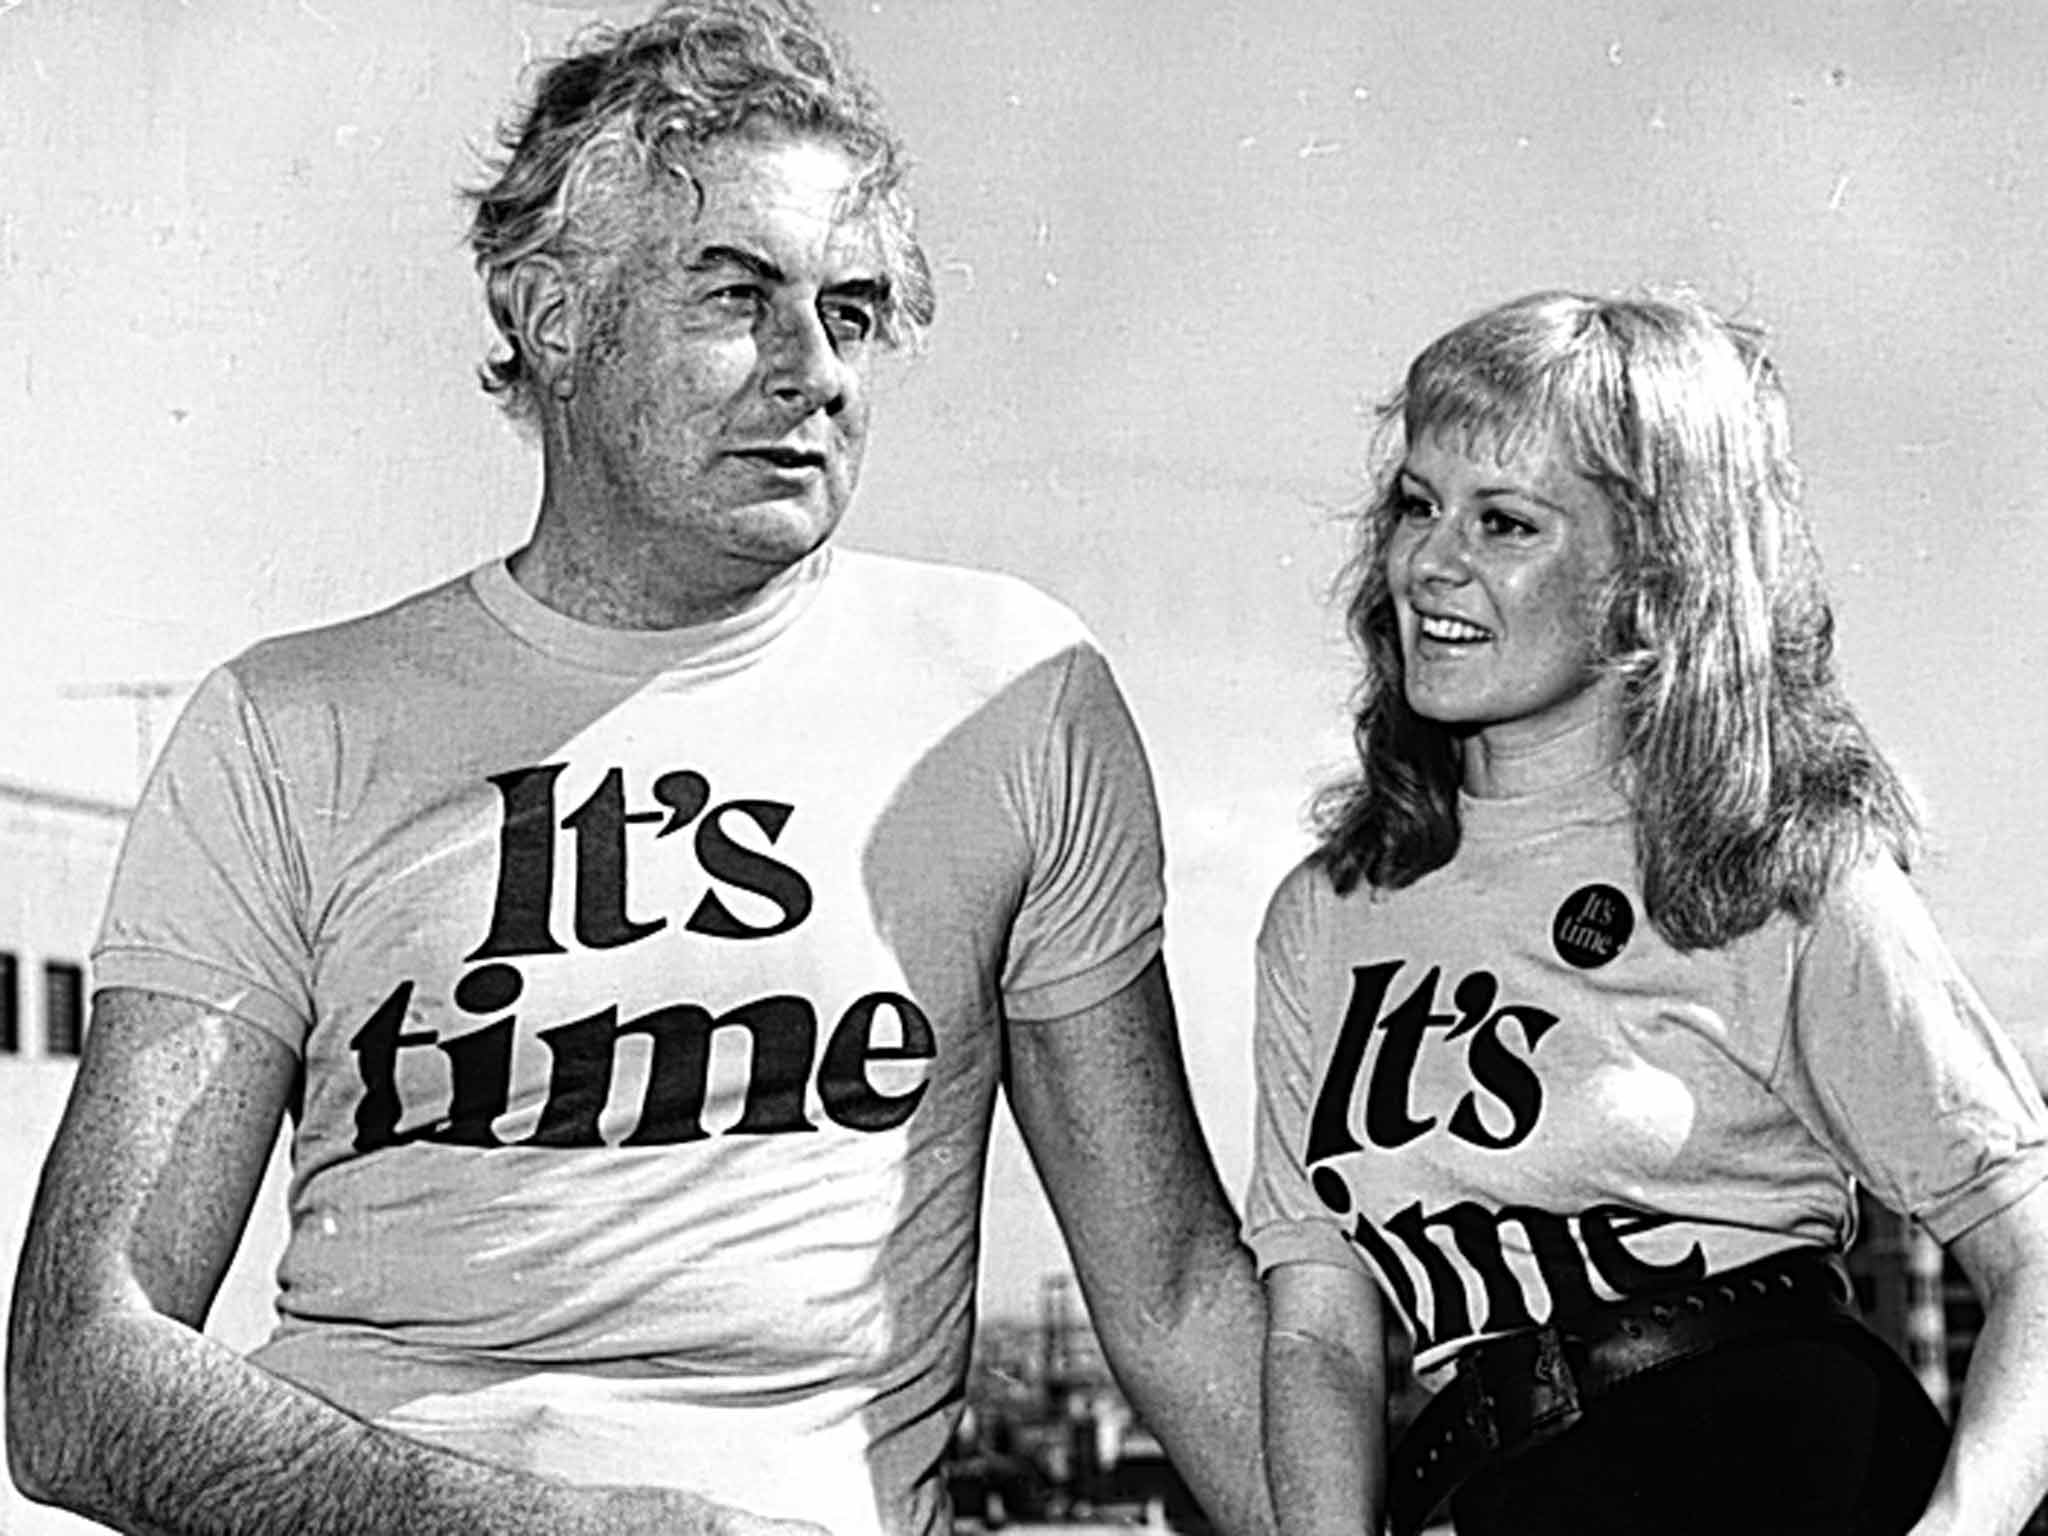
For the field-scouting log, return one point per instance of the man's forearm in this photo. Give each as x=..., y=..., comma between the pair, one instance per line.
x=1102, y=1101
x=145, y=1426
x=1193, y=1376
x=148, y=1427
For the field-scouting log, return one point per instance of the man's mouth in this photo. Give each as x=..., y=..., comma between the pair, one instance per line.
x=777, y=457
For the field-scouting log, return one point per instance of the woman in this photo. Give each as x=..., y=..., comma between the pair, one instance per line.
x=1605, y=985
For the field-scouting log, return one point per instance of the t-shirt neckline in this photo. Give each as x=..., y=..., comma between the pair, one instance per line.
x=717, y=646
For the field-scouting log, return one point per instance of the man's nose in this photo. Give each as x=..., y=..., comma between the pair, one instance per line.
x=802, y=362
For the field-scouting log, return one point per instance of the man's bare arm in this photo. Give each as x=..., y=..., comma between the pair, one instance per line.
x=119, y=1408
x=1102, y=1100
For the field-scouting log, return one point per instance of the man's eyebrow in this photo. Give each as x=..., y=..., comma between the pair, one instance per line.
x=712, y=257
x=874, y=290
x=869, y=290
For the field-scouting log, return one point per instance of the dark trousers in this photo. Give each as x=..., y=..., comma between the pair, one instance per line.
x=1822, y=1435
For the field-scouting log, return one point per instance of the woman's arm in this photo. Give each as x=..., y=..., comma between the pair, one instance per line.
x=1997, y=1471
x=1325, y=1400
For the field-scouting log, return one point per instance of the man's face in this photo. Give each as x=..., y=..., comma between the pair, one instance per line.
x=720, y=407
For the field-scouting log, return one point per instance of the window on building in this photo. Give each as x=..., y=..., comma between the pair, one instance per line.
x=63, y=1008
x=10, y=1004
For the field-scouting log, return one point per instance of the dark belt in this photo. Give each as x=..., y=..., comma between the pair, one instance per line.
x=1515, y=1392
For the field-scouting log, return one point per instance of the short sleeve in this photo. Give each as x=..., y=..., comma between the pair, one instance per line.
x=209, y=891
x=1895, y=1062
x=1092, y=915
x=1285, y=1221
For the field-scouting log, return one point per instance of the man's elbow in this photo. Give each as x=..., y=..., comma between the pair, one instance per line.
x=26, y=1471
x=49, y=1449
x=32, y=1461
x=1210, y=1287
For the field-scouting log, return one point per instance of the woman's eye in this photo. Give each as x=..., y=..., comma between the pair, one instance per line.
x=1409, y=507
x=1507, y=524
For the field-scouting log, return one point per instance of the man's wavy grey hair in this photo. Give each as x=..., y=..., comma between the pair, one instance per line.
x=620, y=117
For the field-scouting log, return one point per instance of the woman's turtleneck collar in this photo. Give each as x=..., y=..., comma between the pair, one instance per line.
x=1569, y=778
x=1593, y=796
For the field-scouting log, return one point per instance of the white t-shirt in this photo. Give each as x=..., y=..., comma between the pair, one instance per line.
x=649, y=988
x=1503, y=1093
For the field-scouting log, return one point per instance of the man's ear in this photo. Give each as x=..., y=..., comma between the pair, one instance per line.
x=543, y=316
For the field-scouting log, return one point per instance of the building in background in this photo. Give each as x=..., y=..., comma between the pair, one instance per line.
x=57, y=852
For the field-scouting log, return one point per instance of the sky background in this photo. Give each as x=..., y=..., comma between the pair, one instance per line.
x=1180, y=247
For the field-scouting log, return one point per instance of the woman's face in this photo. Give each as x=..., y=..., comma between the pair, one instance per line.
x=1495, y=564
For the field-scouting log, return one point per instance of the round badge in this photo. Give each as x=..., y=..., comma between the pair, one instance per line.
x=1592, y=926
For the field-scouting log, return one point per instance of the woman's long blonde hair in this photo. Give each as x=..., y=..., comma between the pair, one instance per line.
x=1752, y=779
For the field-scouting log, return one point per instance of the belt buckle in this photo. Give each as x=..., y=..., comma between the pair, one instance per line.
x=1554, y=1401
x=1477, y=1406
x=1524, y=1392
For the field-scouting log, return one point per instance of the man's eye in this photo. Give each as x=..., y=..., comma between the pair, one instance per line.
x=849, y=321
x=736, y=297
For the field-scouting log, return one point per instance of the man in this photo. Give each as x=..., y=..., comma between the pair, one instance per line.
x=638, y=930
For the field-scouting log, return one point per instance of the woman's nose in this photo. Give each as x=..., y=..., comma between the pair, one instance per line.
x=1441, y=553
